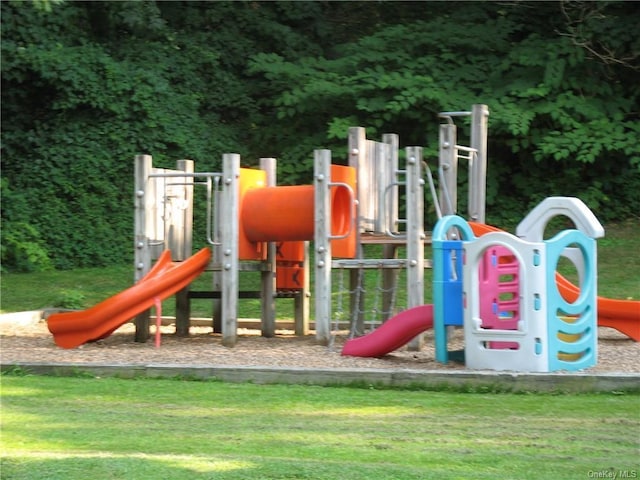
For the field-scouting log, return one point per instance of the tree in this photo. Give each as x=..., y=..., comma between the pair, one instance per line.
x=88, y=85
x=559, y=117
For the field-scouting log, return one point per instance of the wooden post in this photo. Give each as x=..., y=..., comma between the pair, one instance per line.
x=389, y=281
x=358, y=159
x=268, y=276
x=391, y=197
x=142, y=256
x=184, y=249
x=389, y=205
x=478, y=174
x=322, y=178
x=229, y=247
x=415, y=235
x=448, y=160
x=301, y=300
x=216, y=276
x=378, y=173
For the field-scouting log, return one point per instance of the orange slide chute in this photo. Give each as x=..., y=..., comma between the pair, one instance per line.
x=621, y=315
x=72, y=329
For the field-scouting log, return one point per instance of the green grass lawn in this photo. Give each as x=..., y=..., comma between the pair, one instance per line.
x=108, y=428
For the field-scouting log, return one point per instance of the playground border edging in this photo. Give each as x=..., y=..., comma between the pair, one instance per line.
x=469, y=381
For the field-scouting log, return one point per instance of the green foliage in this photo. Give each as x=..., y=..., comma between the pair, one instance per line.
x=22, y=248
x=71, y=299
x=88, y=85
x=562, y=122
x=14, y=371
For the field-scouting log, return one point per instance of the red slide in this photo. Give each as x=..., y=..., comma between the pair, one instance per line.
x=392, y=334
x=72, y=329
x=622, y=315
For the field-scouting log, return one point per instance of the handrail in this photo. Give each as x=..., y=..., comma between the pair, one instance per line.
x=384, y=211
x=212, y=184
x=352, y=198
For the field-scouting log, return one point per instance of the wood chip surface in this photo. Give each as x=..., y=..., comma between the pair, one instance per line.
x=34, y=343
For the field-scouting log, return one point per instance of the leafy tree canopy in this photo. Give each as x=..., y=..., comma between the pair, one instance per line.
x=88, y=85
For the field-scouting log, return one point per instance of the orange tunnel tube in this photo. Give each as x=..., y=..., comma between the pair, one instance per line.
x=287, y=213
x=277, y=214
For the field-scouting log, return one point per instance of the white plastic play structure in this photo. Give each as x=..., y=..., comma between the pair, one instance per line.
x=531, y=328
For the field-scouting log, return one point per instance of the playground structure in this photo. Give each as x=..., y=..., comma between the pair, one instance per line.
x=513, y=314
x=365, y=157
x=252, y=225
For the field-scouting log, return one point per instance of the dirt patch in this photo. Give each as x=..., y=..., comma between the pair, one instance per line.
x=34, y=343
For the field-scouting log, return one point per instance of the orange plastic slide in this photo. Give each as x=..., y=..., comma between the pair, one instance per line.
x=622, y=315
x=72, y=329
